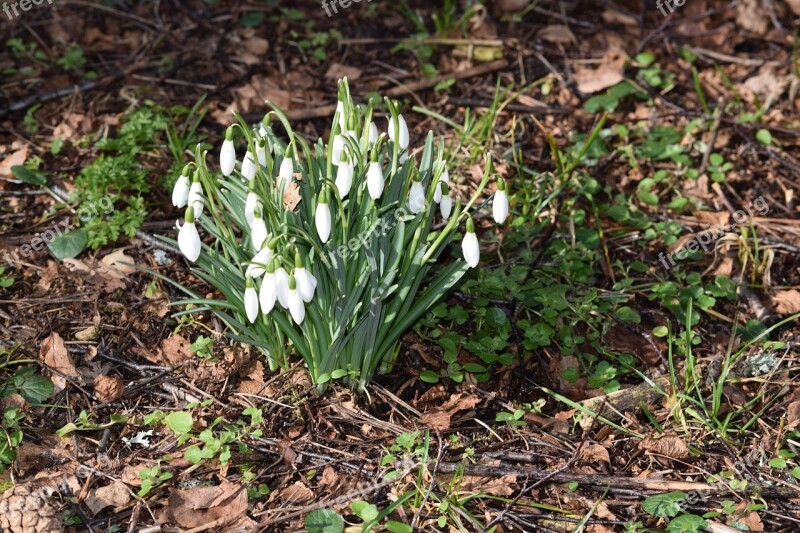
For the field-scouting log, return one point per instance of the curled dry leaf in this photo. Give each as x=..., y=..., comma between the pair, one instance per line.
x=670, y=446
x=16, y=158
x=595, y=453
x=337, y=71
x=786, y=302
x=199, y=506
x=113, y=495
x=604, y=76
x=108, y=388
x=54, y=354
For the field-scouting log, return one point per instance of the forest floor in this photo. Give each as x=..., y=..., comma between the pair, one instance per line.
x=590, y=375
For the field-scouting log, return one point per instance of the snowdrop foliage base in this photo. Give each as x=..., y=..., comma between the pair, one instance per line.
x=330, y=258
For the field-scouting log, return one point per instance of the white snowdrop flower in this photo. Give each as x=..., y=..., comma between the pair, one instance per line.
x=342, y=114
x=251, y=203
x=250, y=300
x=446, y=202
x=322, y=217
x=373, y=133
x=375, y=180
x=261, y=151
x=269, y=289
x=286, y=172
x=469, y=246
x=188, y=237
x=416, y=196
x=282, y=286
x=262, y=130
x=344, y=176
x=248, y=166
x=403, y=157
x=258, y=231
x=180, y=193
x=295, y=302
x=500, y=202
x=196, y=198
x=306, y=282
x=337, y=148
x=259, y=262
x=444, y=177
x=227, y=155
x=402, y=140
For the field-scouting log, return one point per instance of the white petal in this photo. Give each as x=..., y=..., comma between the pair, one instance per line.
x=258, y=233
x=259, y=262
x=180, y=193
x=402, y=142
x=344, y=179
x=262, y=131
x=500, y=207
x=250, y=207
x=268, y=293
x=261, y=154
x=445, y=177
x=251, y=304
x=322, y=219
x=373, y=133
x=227, y=157
x=338, y=146
x=196, y=198
x=306, y=283
x=446, y=207
x=248, y=166
x=286, y=171
x=416, y=197
x=296, y=306
x=342, y=118
x=282, y=287
x=375, y=180
x=189, y=241
x=471, y=249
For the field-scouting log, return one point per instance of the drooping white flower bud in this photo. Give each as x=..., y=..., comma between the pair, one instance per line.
x=261, y=151
x=180, y=193
x=337, y=148
x=470, y=247
x=375, y=180
x=444, y=177
x=248, y=166
x=446, y=203
x=295, y=302
x=188, y=237
x=227, y=154
x=500, y=202
x=322, y=217
x=286, y=172
x=258, y=231
x=259, y=262
x=250, y=301
x=416, y=196
x=196, y=198
x=306, y=282
x=373, y=133
x=282, y=286
x=250, y=203
x=402, y=141
x=269, y=289
x=344, y=176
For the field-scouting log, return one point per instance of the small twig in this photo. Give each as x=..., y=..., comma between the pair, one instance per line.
x=439, y=455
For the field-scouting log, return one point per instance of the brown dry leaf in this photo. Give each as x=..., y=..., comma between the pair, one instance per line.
x=34, y=458
x=752, y=521
x=54, y=354
x=114, y=495
x=670, y=446
x=97, y=274
x=130, y=476
x=610, y=72
x=47, y=275
x=751, y=15
x=73, y=126
x=199, y=506
x=494, y=486
x=16, y=158
x=557, y=34
x=297, y=494
x=436, y=420
x=613, y=16
x=174, y=350
x=108, y=388
x=337, y=71
x=621, y=339
x=786, y=302
x=765, y=85
x=794, y=5
x=329, y=479
x=116, y=261
x=291, y=196
x=595, y=453
x=793, y=414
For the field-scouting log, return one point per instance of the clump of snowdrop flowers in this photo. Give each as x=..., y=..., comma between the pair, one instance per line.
x=331, y=250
